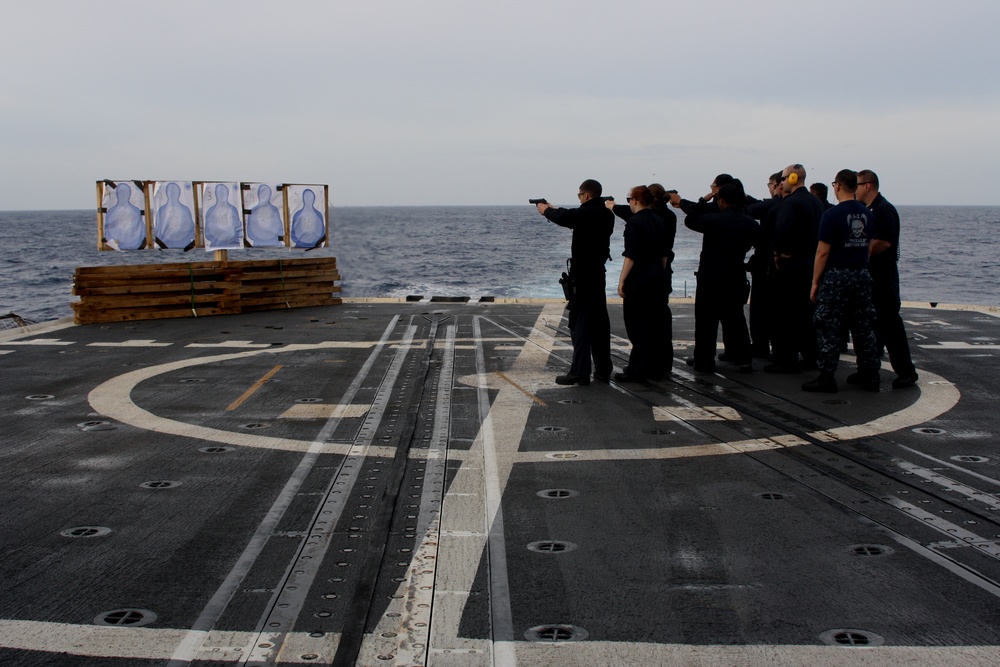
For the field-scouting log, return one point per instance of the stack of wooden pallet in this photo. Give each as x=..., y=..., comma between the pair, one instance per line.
x=196, y=289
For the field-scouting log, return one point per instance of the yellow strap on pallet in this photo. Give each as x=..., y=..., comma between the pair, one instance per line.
x=284, y=289
x=191, y=273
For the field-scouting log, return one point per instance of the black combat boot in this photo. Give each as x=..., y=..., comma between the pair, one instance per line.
x=824, y=382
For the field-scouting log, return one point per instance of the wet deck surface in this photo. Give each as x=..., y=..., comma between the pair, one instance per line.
x=404, y=484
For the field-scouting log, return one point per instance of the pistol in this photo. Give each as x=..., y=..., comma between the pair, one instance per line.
x=537, y=201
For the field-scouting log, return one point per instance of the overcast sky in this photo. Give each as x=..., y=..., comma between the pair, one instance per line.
x=465, y=102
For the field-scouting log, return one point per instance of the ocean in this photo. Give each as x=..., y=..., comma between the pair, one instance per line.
x=948, y=254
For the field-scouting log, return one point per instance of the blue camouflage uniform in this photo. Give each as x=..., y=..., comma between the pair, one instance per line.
x=845, y=290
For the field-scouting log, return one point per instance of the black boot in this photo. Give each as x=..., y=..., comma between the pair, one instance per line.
x=824, y=382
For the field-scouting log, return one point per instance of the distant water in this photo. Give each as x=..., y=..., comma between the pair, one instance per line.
x=507, y=251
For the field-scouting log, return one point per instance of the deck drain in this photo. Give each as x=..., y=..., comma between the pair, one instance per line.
x=95, y=426
x=191, y=380
x=570, y=401
x=555, y=633
x=558, y=493
x=40, y=397
x=561, y=455
x=215, y=450
x=85, y=531
x=836, y=401
x=965, y=458
x=551, y=547
x=254, y=425
x=551, y=429
x=658, y=431
x=871, y=550
x=772, y=496
x=309, y=400
x=126, y=617
x=851, y=637
x=160, y=484
x=929, y=431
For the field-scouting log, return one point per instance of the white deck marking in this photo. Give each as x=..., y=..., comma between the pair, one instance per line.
x=157, y=644
x=324, y=411
x=41, y=342
x=662, y=413
x=959, y=345
x=131, y=343
x=243, y=344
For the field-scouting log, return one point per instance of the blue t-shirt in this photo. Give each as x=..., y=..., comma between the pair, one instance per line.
x=847, y=227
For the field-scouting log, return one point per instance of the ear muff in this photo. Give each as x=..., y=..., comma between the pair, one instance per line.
x=793, y=178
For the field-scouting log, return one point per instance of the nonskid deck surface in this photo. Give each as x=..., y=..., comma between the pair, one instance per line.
x=404, y=484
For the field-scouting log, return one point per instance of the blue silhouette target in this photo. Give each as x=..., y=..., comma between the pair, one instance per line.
x=173, y=219
x=124, y=225
x=223, y=224
x=308, y=229
x=265, y=218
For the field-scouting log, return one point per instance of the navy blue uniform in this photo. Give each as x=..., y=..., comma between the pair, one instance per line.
x=794, y=243
x=889, y=329
x=648, y=243
x=722, y=282
x=590, y=327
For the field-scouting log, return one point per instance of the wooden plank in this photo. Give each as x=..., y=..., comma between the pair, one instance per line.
x=129, y=316
x=162, y=300
x=278, y=298
x=289, y=275
x=267, y=263
x=257, y=288
x=150, y=288
x=311, y=303
x=140, y=268
x=159, y=274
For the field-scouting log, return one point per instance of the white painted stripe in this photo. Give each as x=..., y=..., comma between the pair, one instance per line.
x=154, y=644
x=501, y=617
x=954, y=466
x=953, y=531
x=950, y=484
x=242, y=344
x=40, y=342
x=102, y=641
x=131, y=343
x=957, y=345
x=324, y=411
x=6, y=351
x=706, y=413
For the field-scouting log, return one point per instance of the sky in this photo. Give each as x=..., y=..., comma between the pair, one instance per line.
x=463, y=102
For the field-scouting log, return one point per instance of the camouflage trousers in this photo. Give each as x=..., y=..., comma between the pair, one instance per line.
x=844, y=302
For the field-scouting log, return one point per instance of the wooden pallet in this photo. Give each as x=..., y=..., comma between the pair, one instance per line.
x=198, y=289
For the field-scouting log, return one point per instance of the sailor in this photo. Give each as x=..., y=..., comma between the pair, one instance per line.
x=882, y=264
x=589, y=324
x=841, y=288
x=793, y=243
x=728, y=234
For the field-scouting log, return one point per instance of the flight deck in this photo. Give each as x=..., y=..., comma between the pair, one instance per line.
x=403, y=483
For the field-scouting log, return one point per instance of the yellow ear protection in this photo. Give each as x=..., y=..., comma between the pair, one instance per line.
x=792, y=178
